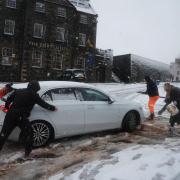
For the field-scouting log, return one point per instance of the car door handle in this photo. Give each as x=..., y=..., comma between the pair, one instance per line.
x=91, y=107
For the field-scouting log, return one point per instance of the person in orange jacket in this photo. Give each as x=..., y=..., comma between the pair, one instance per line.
x=153, y=93
x=5, y=90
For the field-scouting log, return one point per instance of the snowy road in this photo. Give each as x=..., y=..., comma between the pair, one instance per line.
x=144, y=155
x=140, y=162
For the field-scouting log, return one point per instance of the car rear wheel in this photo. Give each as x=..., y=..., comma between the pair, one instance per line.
x=42, y=133
x=131, y=121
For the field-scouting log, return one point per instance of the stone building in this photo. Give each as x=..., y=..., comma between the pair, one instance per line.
x=86, y=27
x=103, y=65
x=41, y=38
x=175, y=70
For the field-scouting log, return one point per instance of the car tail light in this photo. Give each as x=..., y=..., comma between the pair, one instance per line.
x=2, y=107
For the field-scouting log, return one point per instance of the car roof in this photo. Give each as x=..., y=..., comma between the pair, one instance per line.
x=45, y=85
x=48, y=85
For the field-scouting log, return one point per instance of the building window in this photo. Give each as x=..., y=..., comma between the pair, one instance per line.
x=7, y=56
x=83, y=19
x=82, y=39
x=60, y=34
x=9, y=27
x=39, y=30
x=178, y=72
x=11, y=3
x=57, y=61
x=80, y=62
x=37, y=58
x=40, y=7
x=62, y=12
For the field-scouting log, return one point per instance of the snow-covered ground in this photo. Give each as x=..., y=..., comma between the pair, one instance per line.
x=140, y=162
x=159, y=161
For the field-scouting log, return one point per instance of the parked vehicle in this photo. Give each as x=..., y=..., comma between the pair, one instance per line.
x=74, y=75
x=82, y=108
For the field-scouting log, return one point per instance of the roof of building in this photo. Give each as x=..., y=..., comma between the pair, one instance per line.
x=83, y=6
x=60, y=2
x=142, y=61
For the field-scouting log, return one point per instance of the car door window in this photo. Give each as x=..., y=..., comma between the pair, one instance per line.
x=79, y=95
x=92, y=95
x=60, y=94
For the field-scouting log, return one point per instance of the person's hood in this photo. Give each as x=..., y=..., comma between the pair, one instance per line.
x=34, y=86
x=147, y=79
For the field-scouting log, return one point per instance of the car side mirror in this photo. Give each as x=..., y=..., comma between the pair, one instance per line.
x=110, y=101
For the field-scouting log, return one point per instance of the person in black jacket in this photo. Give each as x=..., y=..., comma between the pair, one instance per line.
x=153, y=93
x=20, y=103
x=172, y=96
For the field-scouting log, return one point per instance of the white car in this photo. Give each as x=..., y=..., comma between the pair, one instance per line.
x=82, y=108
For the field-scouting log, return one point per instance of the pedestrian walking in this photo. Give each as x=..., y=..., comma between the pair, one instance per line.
x=172, y=105
x=22, y=102
x=153, y=93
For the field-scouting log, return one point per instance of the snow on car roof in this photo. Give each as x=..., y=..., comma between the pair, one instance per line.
x=54, y=84
x=47, y=85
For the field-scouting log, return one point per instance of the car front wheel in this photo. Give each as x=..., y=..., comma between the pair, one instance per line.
x=131, y=121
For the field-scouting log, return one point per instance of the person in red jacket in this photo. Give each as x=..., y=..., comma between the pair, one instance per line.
x=5, y=90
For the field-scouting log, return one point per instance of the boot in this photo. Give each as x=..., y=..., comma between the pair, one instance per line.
x=151, y=117
x=172, y=132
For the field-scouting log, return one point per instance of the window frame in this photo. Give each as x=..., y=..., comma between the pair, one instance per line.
x=54, y=61
x=10, y=31
x=62, y=12
x=82, y=37
x=40, y=10
x=41, y=57
x=10, y=2
x=58, y=30
x=83, y=60
x=7, y=56
x=83, y=19
x=42, y=30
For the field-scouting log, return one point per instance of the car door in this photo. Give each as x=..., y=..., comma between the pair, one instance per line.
x=69, y=119
x=99, y=113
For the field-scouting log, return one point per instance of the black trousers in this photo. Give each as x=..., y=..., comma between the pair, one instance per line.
x=174, y=119
x=12, y=120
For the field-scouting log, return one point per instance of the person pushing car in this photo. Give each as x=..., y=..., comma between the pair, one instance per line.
x=20, y=104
